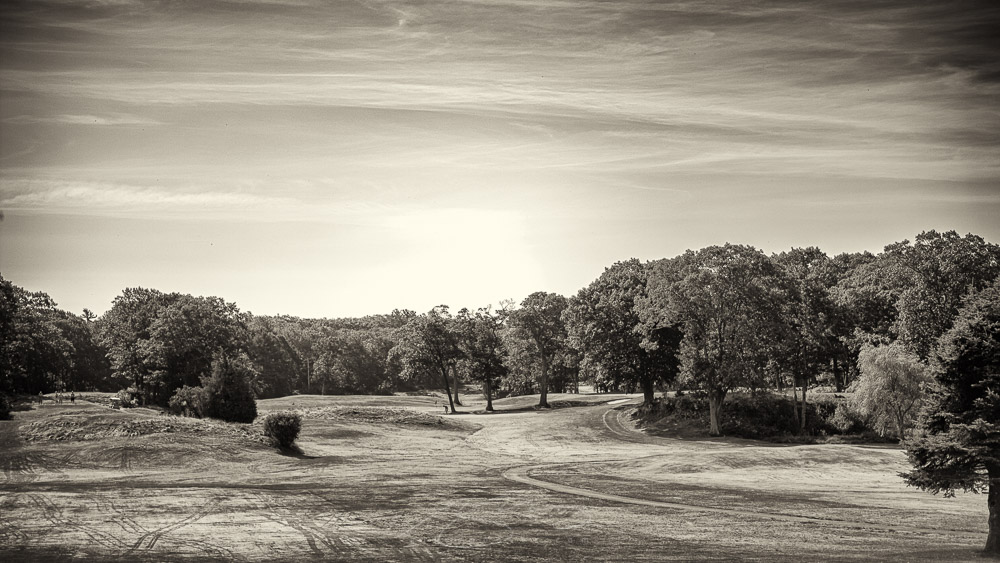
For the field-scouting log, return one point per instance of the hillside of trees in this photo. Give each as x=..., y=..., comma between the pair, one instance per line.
x=714, y=320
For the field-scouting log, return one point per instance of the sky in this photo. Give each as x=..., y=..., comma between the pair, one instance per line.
x=341, y=158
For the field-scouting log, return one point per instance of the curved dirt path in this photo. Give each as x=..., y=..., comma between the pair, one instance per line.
x=610, y=419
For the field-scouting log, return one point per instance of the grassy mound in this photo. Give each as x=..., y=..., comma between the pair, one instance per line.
x=385, y=415
x=88, y=423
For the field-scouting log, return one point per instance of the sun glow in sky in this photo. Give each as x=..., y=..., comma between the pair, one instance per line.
x=344, y=158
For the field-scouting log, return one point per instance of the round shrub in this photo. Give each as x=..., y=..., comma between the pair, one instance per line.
x=187, y=401
x=283, y=427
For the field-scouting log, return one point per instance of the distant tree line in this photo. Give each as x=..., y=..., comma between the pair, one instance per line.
x=715, y=320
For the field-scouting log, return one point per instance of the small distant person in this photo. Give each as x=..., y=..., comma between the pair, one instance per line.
x=72, y=396
x=445, y=409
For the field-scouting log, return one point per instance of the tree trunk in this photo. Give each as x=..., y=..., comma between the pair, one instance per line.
x=795, y=401
x=454, y=378
x=837, y=379
x=447, y=388
x=802, y=419
x=901, y=425
x=543, y=400
x=489, y=395
x=647, y=391
x=993, y=501
x=715, y=399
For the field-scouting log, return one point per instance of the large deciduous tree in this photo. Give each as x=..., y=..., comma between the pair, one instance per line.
x=959, y=446
x=183, y=338
x=160, y=342
x=540, y=320
x=481, y=339
x=810, y=343
x=728, y=301
x=427, y=347
x=35, y=355
x=123, y=331
x=43, y=348
x=933, y=274
x=603, y=322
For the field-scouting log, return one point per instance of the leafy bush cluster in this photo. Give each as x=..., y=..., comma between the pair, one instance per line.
x=128, y=398
x=763, y=415
x=226, y=394
x=187, y=401
x=283, y=427
x=848, y=420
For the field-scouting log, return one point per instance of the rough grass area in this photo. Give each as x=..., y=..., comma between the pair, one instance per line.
x=381, y=479
x=80, y=428
x=88, y=422
x=385, y=415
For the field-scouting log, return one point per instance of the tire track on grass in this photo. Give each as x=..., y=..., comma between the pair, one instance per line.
x=52, y=512
x=521, y=474
x=148, y=540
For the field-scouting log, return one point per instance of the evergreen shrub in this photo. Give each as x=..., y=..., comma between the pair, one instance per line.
x=227, y=392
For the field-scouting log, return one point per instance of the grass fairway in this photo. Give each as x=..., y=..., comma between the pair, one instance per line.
x=387, y=478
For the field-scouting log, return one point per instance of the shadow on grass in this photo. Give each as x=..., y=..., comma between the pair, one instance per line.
x=294, y=451
x=554, y=405
x=25, y=402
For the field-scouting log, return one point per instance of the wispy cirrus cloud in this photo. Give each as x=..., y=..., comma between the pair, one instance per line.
x=66, y=119
x=98, y=198
x=591, y=130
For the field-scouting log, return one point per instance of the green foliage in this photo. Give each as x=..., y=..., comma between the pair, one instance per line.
x=890, y=388
x=539, y=320
x=754, y=416
x=483, y=347
x=354, y=362
x=728, y=302
x=815, y=322
x=848, y=420
x=282, y=427
x=187, y=401
x=124, y=329
x=603, y=323
x=227, y=392
x=43, y=348
x=128, y=398
x=427, y=348
x=958, y=447
x=933, y=274
x=276, y=362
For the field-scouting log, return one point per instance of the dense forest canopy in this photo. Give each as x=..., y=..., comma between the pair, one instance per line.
x=716, y=319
